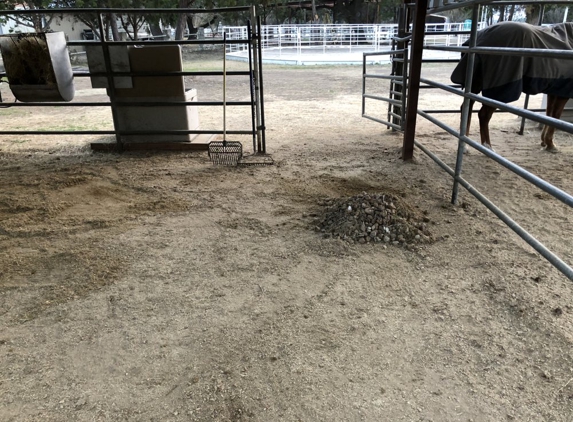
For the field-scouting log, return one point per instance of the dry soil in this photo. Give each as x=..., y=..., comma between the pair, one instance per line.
x=158, y=287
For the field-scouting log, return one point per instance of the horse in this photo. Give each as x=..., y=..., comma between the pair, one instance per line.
x=504, y=77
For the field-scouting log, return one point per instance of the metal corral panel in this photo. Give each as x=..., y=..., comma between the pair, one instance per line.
x=450, y=4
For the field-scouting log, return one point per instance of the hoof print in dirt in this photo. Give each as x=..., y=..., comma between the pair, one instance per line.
x=373, y=218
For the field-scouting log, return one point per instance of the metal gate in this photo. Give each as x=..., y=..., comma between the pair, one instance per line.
x=459, y=133
x=251, y=41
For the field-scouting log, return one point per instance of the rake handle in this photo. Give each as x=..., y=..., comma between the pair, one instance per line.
x=224, y=86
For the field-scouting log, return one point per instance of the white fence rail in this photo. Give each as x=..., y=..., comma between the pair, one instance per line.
x=327, y=37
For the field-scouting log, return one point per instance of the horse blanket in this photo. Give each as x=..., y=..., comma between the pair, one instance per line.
x=504, y=78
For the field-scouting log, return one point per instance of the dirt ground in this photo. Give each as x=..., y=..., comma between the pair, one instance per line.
x=158, y=287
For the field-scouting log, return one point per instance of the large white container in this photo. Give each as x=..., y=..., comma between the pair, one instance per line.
x=161, y=58
x=176, y=117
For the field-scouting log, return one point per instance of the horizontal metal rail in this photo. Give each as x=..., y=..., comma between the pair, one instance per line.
x=377, y=76
x=123, y=10
x=510, y=165
x=380, y=98
x=164, y=42
x=546, y=120
x=537, y=110
x=507, y=51
x=469, y=3
x=383, y=53
x=441, y=60
x=389, y=124
x=125, y=104
x=521, y=232
x=527, y=2
x=124, y=132
x=147, y=74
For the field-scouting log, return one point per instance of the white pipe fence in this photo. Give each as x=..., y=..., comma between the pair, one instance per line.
x=336, y=37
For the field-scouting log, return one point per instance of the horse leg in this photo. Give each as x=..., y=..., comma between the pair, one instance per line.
x=549, y=112
x=469, y=117
x=484, y=115
x=555, y=107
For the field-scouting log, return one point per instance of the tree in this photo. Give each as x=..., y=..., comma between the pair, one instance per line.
x=359, y=11
x=39, y=22
x=91, y=19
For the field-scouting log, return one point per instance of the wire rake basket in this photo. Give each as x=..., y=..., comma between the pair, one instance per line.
x=225, y=153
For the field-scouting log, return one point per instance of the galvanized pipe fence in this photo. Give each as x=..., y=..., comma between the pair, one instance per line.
x=464, y=141
x=250, y=41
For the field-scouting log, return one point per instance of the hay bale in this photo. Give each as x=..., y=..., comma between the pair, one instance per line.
x=27, y=60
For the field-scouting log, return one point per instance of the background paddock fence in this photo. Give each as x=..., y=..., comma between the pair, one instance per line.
x=336, y=38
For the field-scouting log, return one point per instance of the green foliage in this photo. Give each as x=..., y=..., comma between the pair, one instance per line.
x=459, y=15
x=38, y=22
x=556, y=14
x=271, y=12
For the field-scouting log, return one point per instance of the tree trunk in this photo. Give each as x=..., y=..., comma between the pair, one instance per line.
x=532, y=14
x=182, y=19
x=501, y=14
x=113, y=26
x=314, y=12
x=192, y=30
x=511, y=12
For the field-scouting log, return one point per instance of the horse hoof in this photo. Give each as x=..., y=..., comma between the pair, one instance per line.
x=553, y=149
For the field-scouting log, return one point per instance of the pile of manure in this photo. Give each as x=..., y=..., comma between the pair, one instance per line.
x=374, y=218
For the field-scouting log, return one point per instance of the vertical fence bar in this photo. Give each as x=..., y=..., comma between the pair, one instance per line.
x=405, y=79
x=466, y=105
x=298, y=44
x=526, y=104
x=256, y=78
x=252, y=86
x=364, y=85
x=110, y=82
x=261, y=94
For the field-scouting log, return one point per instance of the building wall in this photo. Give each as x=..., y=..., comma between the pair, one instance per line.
x=72, y=28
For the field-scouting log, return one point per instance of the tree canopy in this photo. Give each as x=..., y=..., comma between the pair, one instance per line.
x=271, y=11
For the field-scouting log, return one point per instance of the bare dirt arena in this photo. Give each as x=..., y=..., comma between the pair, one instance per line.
x=158, y=287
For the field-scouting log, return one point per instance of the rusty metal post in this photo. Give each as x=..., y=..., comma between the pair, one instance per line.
x=415, y=71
